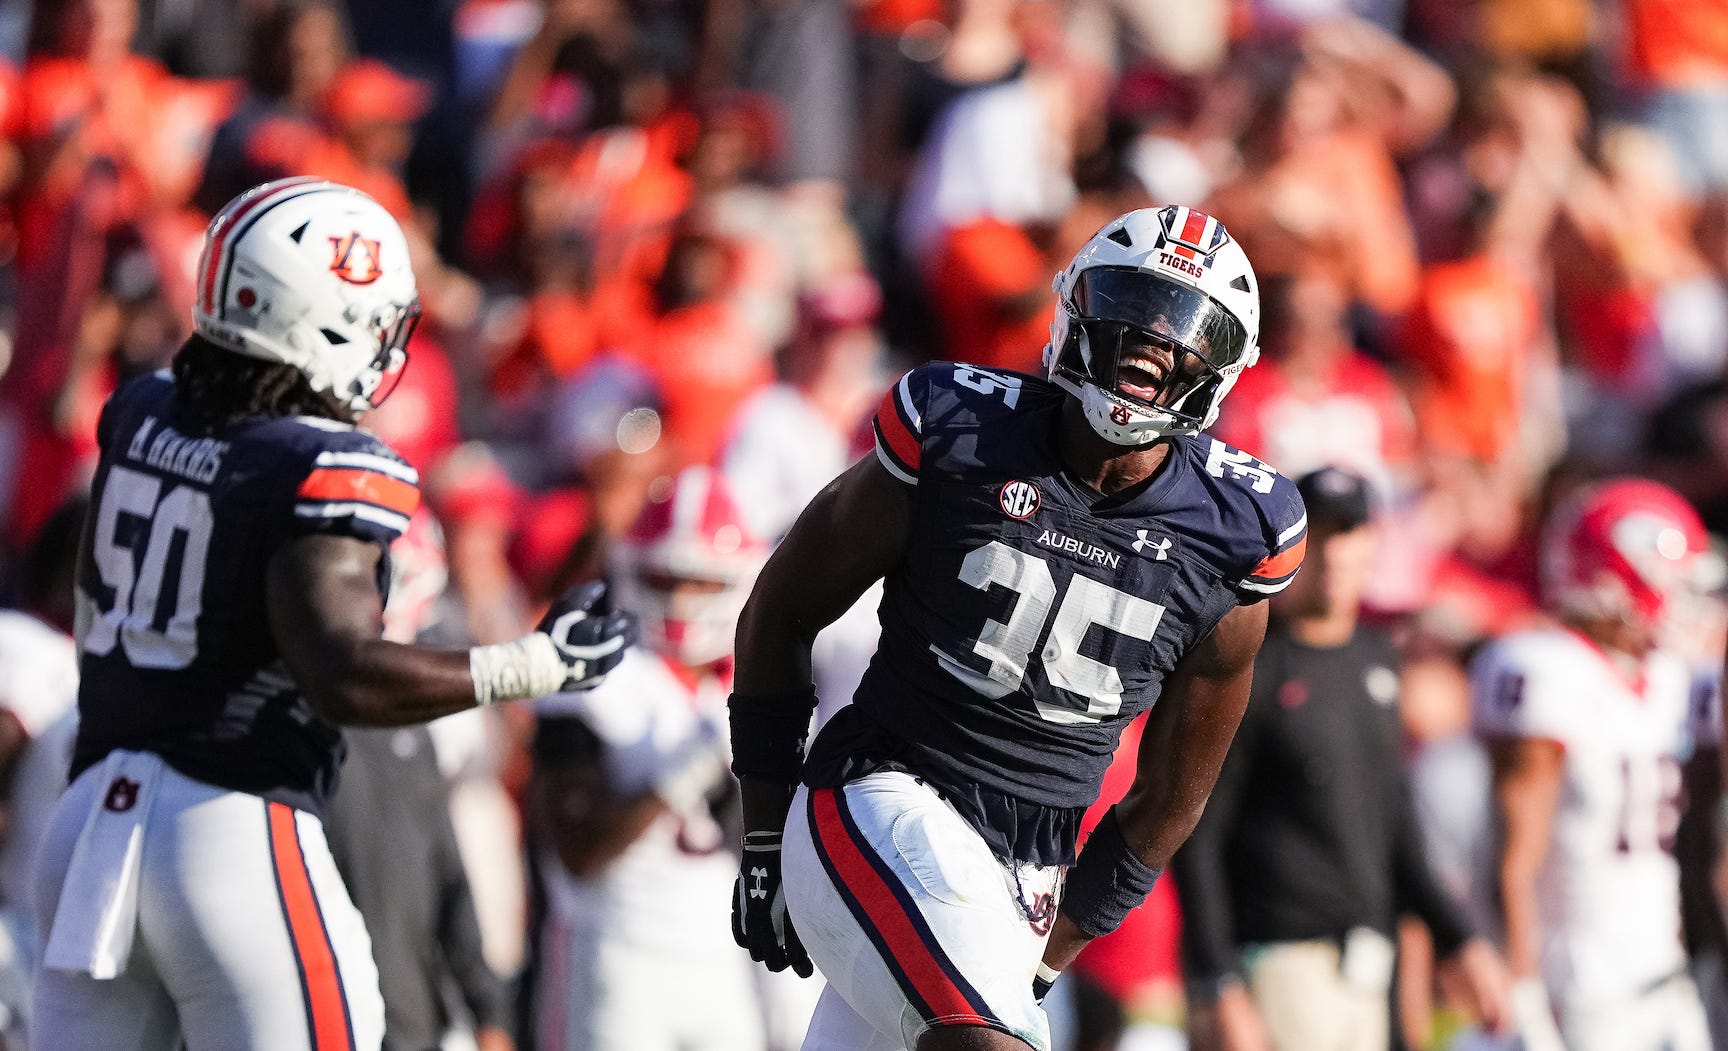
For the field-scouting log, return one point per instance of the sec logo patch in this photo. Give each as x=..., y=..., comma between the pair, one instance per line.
x=1019, y=499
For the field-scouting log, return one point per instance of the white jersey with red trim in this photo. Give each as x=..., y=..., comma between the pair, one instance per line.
x=664, y=889
x=1608, y=892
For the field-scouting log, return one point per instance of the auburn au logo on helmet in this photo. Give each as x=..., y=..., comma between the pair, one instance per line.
x=355, y=259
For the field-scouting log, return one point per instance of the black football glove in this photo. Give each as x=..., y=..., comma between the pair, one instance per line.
x=1041, y=983
x=589, y=637
x=759, y=919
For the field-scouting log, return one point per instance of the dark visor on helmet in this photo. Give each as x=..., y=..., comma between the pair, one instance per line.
x=1094, y=352
x=1161, y=307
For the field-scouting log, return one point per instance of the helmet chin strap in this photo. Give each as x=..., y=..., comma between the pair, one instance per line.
x=1100, y=412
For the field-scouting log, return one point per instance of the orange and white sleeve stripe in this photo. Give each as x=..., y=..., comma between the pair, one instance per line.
x=365, y=486
x=1277, y=569
x=899, y=433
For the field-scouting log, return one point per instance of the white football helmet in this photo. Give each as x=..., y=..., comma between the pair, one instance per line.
x=315, y=275
x=1156, y=318
x=685, y=568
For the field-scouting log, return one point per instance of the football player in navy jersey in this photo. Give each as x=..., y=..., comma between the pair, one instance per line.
x=229, y=605
x=1059, y=554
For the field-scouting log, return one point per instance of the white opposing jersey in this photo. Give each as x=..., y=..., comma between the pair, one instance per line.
x=1608, y=893
x=671, y=886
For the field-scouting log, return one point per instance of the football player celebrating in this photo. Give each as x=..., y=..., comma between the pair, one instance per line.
x=1059, y=553
x=627, y=780
x=229, y=617
x=1588, y=724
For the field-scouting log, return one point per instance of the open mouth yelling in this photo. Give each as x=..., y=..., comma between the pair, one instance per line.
x=1141, y=377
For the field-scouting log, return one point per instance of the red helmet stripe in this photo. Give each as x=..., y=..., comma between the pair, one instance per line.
x=225, y=224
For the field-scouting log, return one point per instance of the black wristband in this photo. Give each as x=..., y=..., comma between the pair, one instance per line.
x=768, y=732
x=1107, y=883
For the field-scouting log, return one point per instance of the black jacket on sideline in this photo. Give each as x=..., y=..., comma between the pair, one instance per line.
x=389, y=828
x=1310, y=830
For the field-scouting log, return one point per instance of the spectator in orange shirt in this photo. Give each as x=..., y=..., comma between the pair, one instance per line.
x=705, y=356
x=85, y=99
x=372, y=109
x=990, y=287
x=1677, y=57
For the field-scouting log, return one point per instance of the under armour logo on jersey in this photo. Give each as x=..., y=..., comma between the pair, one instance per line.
x=356, y=259
x=122, y=795
x=760, y=878
x=1160, y=548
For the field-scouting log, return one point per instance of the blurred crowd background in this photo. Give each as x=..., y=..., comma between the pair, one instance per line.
x=1492, y=237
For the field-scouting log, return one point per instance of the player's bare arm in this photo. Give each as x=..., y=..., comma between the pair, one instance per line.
x=848, y=538
x=1188, y=733
x=327, y=617
x=1527, y=779
x=590, y=823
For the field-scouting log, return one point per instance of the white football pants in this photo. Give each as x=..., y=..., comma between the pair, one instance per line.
x=241, y=935
x=910, y=918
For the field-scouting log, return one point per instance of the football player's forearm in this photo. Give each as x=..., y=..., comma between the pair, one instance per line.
x=773, y=653
x=1065, y=943
x=1520, y=914
x=379, y=683
x=591, y=845
x=765, y=804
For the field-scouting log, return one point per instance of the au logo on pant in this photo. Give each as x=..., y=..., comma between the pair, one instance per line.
x=122, y=795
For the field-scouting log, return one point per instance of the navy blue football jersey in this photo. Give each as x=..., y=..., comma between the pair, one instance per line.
x=1032, y=618
x=176, y=652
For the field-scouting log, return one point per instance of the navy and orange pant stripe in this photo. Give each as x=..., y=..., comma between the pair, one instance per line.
x=327, y=1018
x=889, y=916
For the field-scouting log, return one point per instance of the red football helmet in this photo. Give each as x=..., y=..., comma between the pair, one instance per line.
x=1628, y=550
x=686, y=567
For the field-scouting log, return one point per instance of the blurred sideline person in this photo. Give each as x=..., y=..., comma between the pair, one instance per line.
x=38, y=716
x=1588, y=724
x=1058, y=553
x=1309, y=850
x=391, y=835
x=630, y=788
x=229, y=614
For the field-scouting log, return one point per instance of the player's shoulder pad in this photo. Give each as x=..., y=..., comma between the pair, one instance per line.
x=943, y=398
x=349, y=477
x=1267, y=509
x=150, y=393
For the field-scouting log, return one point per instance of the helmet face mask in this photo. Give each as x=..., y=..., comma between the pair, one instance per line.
x=1156, y=317
x=379, y=379
x=315, y=275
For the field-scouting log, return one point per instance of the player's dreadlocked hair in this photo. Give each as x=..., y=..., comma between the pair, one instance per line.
x=218, y=388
